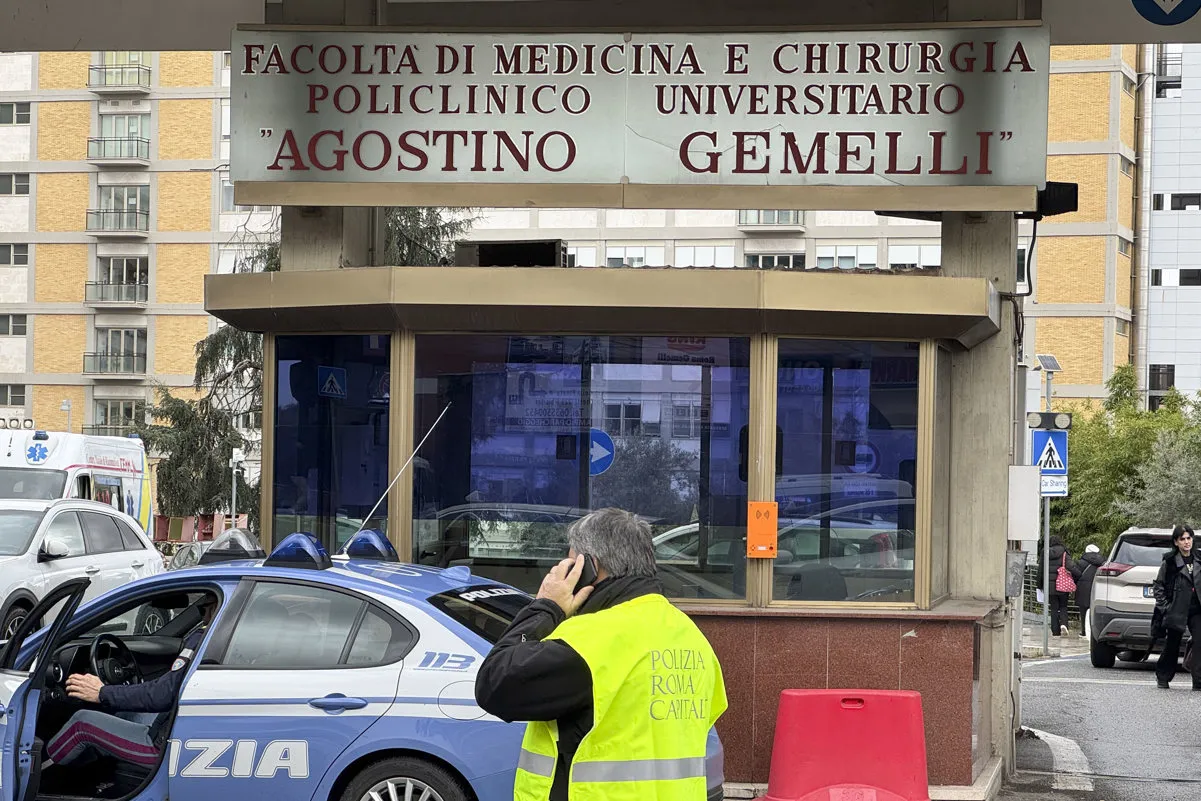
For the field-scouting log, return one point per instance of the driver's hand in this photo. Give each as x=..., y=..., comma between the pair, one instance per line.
x=84, y=687
x=560, y=583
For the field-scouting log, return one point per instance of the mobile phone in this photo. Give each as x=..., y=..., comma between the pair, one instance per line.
x=587, y=573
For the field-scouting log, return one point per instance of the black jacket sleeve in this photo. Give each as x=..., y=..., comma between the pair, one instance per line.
x=157, y=695
x=523, y=678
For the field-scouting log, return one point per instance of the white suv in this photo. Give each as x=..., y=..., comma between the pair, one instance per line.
x=44, y=543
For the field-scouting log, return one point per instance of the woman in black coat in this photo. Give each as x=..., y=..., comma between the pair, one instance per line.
x=1177, y=606
x=1059, y=600
x=1087, y=568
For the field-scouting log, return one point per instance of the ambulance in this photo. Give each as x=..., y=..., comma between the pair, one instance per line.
x=45, y=465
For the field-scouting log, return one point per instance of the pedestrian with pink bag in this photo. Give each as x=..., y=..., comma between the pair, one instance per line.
x=1064, y=574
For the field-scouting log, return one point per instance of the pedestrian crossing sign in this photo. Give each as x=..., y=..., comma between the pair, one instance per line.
x=1050, y=452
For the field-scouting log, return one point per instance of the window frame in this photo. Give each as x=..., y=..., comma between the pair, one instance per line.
x=9, y=323
x=218, y=646
x=16, y=179
x=14, y=258
x=83, y=536
x=85, y=515
x=6, y=394
x=19, y=109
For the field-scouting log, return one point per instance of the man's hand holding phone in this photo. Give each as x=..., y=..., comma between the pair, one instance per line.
x=560, y=585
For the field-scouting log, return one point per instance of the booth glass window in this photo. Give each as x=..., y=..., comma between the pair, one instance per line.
x=542, y=429
x=847, y=438
x=331, y=435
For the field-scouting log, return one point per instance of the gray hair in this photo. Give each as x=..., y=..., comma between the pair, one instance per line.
x=620, y=541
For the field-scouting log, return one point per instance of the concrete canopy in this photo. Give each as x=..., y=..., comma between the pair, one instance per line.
x=206, y=24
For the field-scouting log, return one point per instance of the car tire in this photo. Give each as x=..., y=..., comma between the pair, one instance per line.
x=400, y=771
x=1100, y=654
x=151, y=619
x=14, y=617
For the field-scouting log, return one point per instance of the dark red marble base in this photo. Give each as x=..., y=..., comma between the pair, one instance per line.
x=761, y=656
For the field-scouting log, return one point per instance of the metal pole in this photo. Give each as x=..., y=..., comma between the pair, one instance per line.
x=1047, y=549
x=233, y=497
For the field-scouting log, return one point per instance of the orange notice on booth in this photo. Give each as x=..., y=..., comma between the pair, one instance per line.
x=761, y=529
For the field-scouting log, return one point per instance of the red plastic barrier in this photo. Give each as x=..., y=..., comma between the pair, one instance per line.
x=849, y=745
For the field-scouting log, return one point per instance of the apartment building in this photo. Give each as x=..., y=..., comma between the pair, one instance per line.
x=114, y=205
x=1173, y=297
x=1082, y=306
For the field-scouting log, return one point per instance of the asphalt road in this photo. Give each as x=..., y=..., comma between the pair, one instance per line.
x=1106, y=735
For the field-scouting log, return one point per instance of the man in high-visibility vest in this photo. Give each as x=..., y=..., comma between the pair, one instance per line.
x=619, y=687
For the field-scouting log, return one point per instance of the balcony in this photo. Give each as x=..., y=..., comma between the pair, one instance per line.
x=114, y=365
x=119, y=79
x=769, y=220
x=109, y=431
x=118, y=223
x=122, y=152
x=99, y=293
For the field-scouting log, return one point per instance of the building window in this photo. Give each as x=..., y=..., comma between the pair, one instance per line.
x=332, y=400
x=769, y=217
x=704, y=256
x=513, y=464
x=1180, y=202
x=1162, y=377
x=225, y=60
x=227, y=198
x=581, y=256
x=1154, y=402
x=14, y=113
x=119, y=350
x=12, y=394
x=123, y=270
x=846, y=478
x=14, y=183
x=1123, y=327
x=225, y=123
x=846, y=257
x=125, y=198
x=1168, y=72
x=1156, y=277
x=775, y=261
x=1157, y=201
x=118, y=417
x=1127, y=166
x=1124, y=246
x=1128, y=86
x=634, y=256
x=914, y=257
x=1022, y=277
x=1190, y=278
x=125, y=126
x=12, y=325
x=250, y=421
x=14, y=255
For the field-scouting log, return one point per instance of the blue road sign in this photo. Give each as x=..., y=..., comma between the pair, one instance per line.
x=1167, y=12
x=600, y=452
x=331, y=382
x=1050, y=454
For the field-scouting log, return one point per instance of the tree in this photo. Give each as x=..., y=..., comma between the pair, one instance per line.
x=195, y=439
x=1166, y=489
x=651, y=477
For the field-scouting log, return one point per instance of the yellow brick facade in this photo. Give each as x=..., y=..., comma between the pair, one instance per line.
x=181, y=128
x=59, y=342
x=1079, y=108
x=1126, y=119
x=1130, y=56
x=179, y=273
x=185, y=201
x=1092, y=174
x=62, y=272
x=67, y=70
x=1121, y=350
x=175, y=338
x=1125, y=199
x=47, y=401
x=63, y=130
x=1078, y=343
x=62, y=201
x=185, y=68
x=1071, y=269
x=1123, y=278
x=1081, y=53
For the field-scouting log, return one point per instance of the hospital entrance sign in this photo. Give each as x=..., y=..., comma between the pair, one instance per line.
x=637, y=117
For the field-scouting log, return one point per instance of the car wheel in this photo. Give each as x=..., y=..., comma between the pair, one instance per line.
x=1100, y=654
x=12, y=621
x=410, y=778
x=150, y=619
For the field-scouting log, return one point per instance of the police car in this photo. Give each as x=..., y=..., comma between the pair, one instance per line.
x=326, y=679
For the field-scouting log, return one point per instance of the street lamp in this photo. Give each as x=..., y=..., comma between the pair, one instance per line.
x=65, y=406
x=1049, y=365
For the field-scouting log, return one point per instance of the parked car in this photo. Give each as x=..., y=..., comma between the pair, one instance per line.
x=44, y=543
x=1123, y=600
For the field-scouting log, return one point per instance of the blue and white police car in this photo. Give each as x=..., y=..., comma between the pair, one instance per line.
x=318, y=679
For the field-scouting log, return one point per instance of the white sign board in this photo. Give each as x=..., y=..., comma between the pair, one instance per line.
x=934, y=108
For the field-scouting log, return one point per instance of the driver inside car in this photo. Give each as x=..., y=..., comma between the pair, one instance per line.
x=136, y=716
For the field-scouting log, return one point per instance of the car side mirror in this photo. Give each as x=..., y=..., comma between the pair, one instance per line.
x=52, y=549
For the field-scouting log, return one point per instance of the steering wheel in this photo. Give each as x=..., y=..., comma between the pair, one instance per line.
x=119, y=667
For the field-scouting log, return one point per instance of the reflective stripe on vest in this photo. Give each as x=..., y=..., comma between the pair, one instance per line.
x=639, y=770
x=538, y=764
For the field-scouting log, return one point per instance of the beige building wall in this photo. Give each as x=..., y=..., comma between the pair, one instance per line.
x=1080, y=311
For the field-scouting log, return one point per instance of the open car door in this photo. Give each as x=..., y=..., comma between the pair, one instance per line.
x=21, y=692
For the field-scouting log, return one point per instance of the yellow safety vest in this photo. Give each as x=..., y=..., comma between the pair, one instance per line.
x=657, y=689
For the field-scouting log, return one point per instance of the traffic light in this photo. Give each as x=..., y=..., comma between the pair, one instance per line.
x=1049, y=421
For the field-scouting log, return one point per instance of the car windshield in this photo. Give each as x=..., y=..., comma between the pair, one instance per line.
x=486, y=609
x=33, y=485
x=1141, y=551
x=17, y=528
